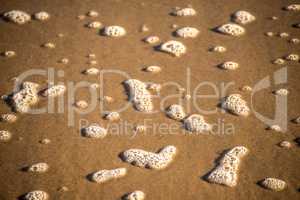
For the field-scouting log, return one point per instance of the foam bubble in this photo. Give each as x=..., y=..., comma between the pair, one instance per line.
x=184, y=12
x=37, y=195
x=235, y=104
x=139, y=95
x=136, y=195
x=94, y=131
x=226, y=172
x=229, y=65
x=243, y=17
x=196, y=123
x=105, y=175
x=173, y=47
x=176, y=112
x=114, y=31
x=146, y=159
x=5, y=136
x=17, y=16
x=231, y=29
x=187, y=32
x=273, y=184
x=42, y=16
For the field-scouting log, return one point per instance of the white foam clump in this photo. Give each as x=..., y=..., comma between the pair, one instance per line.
x=9, y=54
x=37, y=195
x=173, y=47
x=112, y=116
x=136, y=195
x=17, y=16
x=187, y=32
x=94, y=131
x=293, y=7
x=231, y=29
x=151, y=39
x=25, y=97
x=226, y=172
x=54, y=91
x=38, y=167
x=42, y=16
x=229, y=65
x=219, y=49
x=92, y=71
x=294, y=41
x=282, y=92
x=273, y=184
x=107, y=175
x=5, y=136
x=243, y=17
x=236, y=105
x=176, y=112
x=139, y=95
x=153, y=69
x=196, y=123
x=146, y=159
x=292, y=57
x=94, y=24
x=184, y=12
x=114, y=31
x=81, y=104
x=275, y=127
x=10, y=118
x=278, y=61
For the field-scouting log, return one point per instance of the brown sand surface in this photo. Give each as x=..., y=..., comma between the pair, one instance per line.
x=71, y=157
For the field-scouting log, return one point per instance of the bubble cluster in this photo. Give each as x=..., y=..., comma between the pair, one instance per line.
x=226, y=172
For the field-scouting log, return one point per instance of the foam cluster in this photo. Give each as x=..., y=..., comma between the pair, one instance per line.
x=196, y=123
x=105, y=175
x=139, y=95
x=236, y=105
x=17, y=16
x=153, y=69
x=5, y=136
x=9, y=118
x=176, y=112
x=184, y=12
x=187, y=32
x=226, y=172
x=151, y=39
x=293, y=7
x=219, y=49
x=38, y=168
x=273, y=184
x=243, y=17
x=292, y=57
x=25, y=97
x=282, y=92
x=173, y=47
x=146, y=159
x=42, y=16
x=91, y=71
x=136, y=195
x=54, y=91
x=94, y=24
x=114, y=31
x=229, y=65
x=112, y=116
x=94, y=131
x=231, y=29
x=37, y=195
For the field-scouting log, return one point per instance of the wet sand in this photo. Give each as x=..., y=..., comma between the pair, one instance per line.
x=71, y=157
